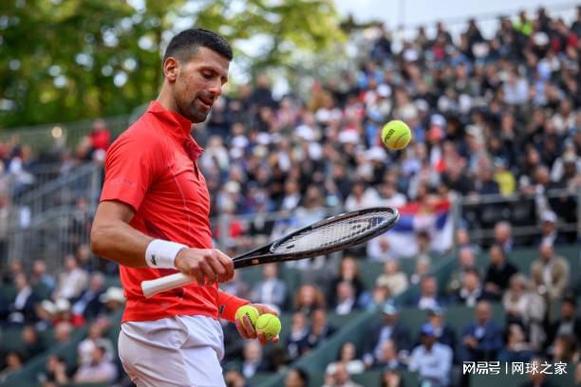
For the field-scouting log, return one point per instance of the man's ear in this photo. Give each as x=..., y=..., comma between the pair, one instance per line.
x=171, y=69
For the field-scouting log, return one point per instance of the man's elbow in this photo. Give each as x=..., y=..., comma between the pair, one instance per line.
x=98, y=240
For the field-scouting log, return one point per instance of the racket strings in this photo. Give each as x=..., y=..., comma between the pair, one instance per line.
x=337, y=232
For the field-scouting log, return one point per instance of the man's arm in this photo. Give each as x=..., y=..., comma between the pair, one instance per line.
x=113, y=238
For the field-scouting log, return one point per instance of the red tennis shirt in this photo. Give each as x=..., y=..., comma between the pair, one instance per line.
x=152, y=168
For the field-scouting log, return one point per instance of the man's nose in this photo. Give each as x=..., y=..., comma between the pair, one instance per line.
x=215, y=88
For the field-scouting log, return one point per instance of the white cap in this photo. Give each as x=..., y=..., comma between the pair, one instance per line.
x=113, y=294
x=549, y=216
x=62, y=305
x=349, y=136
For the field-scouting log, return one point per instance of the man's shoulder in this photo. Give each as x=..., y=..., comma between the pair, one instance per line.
x=141, y=134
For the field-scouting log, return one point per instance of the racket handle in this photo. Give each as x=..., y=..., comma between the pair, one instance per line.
x=152, y=287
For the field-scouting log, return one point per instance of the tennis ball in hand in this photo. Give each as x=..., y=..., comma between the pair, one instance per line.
x=396, y=135
x=247, y=310
x=269, y=325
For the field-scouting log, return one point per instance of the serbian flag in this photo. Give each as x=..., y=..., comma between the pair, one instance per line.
x=434, y=218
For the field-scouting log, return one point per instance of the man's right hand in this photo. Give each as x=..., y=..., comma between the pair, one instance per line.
x=205, y=265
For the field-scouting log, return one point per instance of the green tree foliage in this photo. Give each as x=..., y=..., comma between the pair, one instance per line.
x=64, y=60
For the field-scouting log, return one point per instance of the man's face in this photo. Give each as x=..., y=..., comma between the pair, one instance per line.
x=197, y=83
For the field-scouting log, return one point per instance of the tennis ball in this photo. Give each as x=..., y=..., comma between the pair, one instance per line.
x=269, y=325
x=396, y=135
x=247, y=310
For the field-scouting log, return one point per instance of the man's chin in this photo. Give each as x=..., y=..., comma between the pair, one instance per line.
x=197, y=117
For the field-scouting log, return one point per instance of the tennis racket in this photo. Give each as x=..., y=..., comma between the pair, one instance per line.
x=324, y=237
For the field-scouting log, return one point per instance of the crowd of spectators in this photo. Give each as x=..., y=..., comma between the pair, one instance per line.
x=496, y=114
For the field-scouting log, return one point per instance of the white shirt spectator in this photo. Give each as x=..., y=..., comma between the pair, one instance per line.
x=432, y=365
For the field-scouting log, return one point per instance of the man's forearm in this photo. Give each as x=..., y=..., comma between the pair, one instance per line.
x=120, y=242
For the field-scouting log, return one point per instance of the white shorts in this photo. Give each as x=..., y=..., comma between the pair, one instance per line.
x=174, y=351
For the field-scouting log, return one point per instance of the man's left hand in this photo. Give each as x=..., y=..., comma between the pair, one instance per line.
x=246, y=329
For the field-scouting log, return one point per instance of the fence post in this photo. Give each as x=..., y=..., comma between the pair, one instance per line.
x=223, y=220
x=578, y=213
x=457, y=202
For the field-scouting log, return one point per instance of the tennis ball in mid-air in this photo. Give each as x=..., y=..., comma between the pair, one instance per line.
x=396, y=135
x=247, y=310
x=269, y=325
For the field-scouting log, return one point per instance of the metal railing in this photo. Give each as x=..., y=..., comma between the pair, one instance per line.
x=45, y=137
x=52, y=220
x=479, y=215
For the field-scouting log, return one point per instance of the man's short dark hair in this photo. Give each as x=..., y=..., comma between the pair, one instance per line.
x=186, y=43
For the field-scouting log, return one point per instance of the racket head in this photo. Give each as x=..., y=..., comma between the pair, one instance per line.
x=326, y=236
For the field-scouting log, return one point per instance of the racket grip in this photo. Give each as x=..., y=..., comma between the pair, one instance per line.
x=152, y=287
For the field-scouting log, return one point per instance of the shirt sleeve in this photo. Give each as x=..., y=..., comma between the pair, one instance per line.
x=228, y=304
x=130, y=168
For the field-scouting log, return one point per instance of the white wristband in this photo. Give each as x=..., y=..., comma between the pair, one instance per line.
x=161, y=254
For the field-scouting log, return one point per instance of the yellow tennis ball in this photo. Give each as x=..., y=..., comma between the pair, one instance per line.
x=247, y=310
x=396, y=135
x=269, y=325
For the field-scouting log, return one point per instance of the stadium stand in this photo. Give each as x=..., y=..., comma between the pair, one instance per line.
x=497, y=129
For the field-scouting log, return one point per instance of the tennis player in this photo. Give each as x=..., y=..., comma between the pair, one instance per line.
x=153, y=219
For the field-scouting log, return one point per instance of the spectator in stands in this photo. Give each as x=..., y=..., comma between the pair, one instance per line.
x=379, y=296
x=387, y=357
x=345, y=299
x=432, y=360
x=55, y=372
x=339, y=378
x=391, y=378
x=88, y=303
x=499, y=272
x=361, y=197
x=271, y=290
x=348, y=357
x=482, y=339
x=549, y=232
x=100, y=136
x=389, y=196
x=113, y=299
x=444, y=333
x=568, y=323
x=517, y=349
x=348, y=272
x=503, y=236
x=308, y=298
x=536, y=377
x=392, y=277
x=379, y=249
x=40, y=277
x=296, y=377
x=95, y=338
x=320, y=328
x=98, y=370
x=466, y=261
x=21, y=308
x=388, y=329
x=233, y=378
x=422, y=268
x=72, y=281
x=32, y=344
x=550, y=273
x=428, y=297
x=62, y=332
x=472, y=291
x=296, y=341
x=526, y=308
x=463, y=241
x=564, y=349
x=14, y=362
x=252, y=361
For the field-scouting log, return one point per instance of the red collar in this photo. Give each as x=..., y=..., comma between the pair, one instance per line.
x=178, y=126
